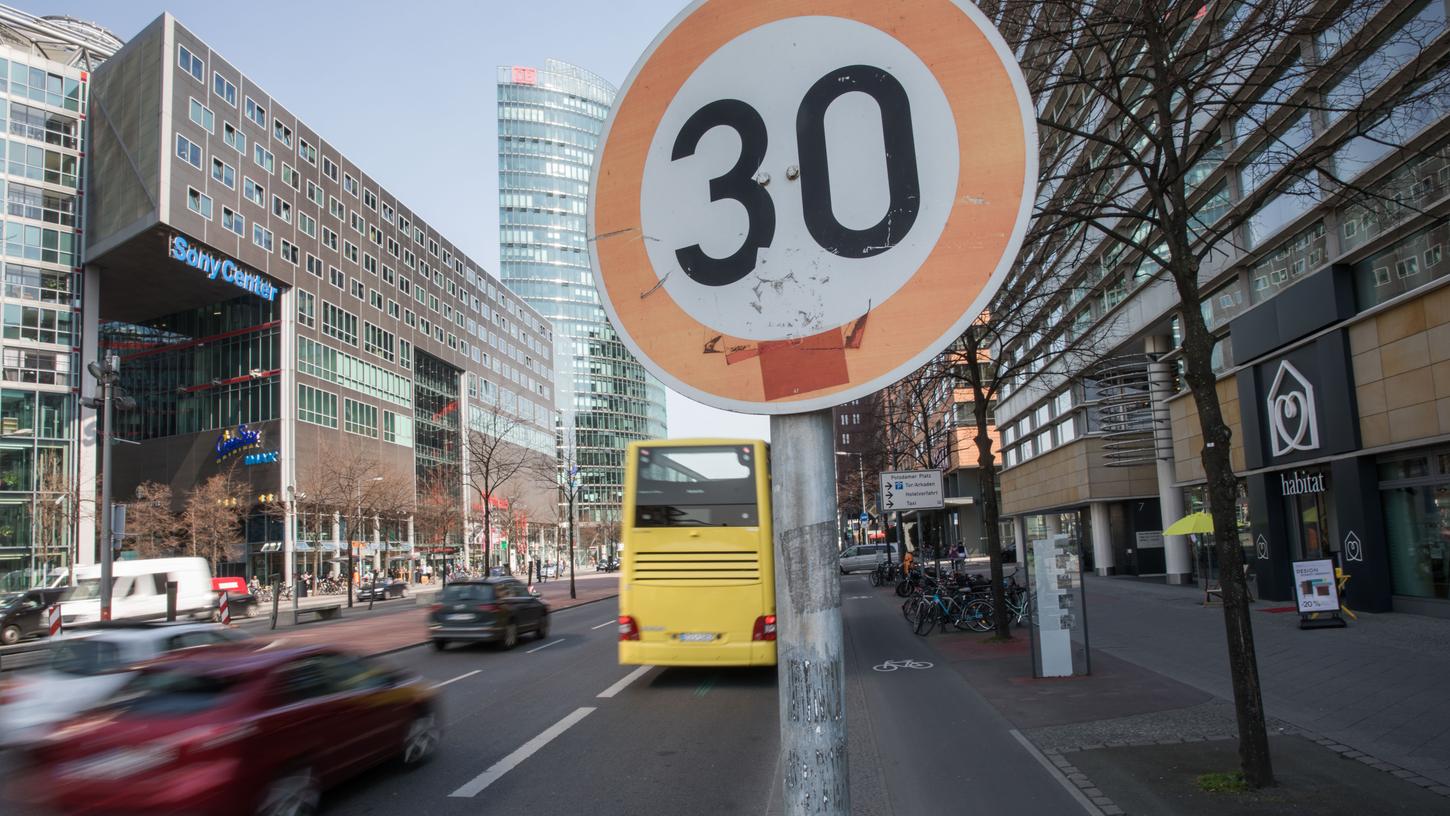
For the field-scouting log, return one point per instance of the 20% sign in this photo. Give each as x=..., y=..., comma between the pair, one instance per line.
x=797, y=203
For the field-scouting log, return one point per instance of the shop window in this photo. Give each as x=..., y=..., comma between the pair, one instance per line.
x=1416, y=496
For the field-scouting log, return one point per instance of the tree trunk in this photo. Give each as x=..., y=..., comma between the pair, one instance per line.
x=1222, y=504
x=487, y=537
x=987, y=486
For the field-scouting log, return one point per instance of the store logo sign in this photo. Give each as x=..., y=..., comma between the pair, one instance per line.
x=1298, y=483
x=224, y=268
x=233, y=440
x=1293, y=423
x=263, y=458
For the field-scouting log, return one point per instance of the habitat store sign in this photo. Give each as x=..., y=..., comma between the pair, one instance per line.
x=220, y=267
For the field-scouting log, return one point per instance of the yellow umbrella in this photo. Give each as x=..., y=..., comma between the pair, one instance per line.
x=1199, y=522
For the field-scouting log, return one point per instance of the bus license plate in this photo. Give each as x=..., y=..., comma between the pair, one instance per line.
x=697, y=637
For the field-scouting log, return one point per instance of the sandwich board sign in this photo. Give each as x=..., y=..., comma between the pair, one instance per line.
x=796, y=204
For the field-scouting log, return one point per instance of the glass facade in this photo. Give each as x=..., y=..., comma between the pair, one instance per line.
x=1415, y=490
x=438, y=439
x=41, y=108
x=203, y=369
x=549, y=124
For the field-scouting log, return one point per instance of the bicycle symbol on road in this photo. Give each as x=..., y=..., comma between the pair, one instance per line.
x=893, y=665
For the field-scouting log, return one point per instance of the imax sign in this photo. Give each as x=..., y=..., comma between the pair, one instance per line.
x=224, y=268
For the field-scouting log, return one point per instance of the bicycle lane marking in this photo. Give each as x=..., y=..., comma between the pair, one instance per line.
x=906, y=663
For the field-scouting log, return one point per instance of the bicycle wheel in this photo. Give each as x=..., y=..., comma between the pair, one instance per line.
x=903, y=587
x=914, y=607
x=978, y=616
x=876, y=577
x=927, y=620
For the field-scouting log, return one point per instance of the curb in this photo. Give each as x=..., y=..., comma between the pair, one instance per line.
x=424, y=642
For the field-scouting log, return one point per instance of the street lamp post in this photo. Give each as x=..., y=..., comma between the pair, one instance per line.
x=861, y=479
x=108, y=376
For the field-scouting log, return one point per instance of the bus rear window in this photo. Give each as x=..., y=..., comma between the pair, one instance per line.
x=710, y=486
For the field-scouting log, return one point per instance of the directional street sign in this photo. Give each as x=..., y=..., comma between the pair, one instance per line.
x=865, y=517
x=797, y=204
x=911, y=490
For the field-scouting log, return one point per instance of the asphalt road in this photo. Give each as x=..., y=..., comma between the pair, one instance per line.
x=557, y=726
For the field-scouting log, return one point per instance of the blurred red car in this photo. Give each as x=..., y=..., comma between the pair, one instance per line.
x=232, y=730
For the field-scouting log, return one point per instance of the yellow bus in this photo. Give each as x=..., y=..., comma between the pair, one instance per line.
x=697, y=575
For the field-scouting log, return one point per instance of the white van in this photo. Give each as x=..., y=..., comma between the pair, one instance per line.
x=138, y=590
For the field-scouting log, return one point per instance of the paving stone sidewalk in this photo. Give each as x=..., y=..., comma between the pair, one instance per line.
x=1376, y=687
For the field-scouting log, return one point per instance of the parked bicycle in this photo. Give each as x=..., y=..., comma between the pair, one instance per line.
x=982, y=617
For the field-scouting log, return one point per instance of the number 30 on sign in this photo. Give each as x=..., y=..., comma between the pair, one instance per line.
x=797, y=203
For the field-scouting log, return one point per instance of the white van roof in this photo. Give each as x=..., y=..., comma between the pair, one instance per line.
x=146, y=566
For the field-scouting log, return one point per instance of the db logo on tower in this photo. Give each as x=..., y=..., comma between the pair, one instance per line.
x=1293, y=425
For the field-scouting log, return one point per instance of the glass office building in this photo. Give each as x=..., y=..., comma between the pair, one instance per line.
x=549, y=124
x=44, y=84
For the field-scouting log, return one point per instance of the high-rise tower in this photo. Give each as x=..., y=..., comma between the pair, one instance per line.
x=549, y=123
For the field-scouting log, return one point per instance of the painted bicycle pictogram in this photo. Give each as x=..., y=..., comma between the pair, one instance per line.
x=893, y=665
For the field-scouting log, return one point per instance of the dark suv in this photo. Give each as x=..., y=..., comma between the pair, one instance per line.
x=487, y=609
x=22, y=614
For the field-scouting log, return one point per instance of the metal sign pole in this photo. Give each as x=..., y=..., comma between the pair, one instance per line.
x=809, y=646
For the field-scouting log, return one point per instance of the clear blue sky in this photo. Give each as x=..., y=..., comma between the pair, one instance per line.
x=406, y=90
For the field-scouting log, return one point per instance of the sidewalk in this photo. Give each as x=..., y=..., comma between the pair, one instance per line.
x=1376, y=686
x=1160, y=678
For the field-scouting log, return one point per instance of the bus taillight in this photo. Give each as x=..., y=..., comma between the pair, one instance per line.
x=764, y=628
x=628, y=629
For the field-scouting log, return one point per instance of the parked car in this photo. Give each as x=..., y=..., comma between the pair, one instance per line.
x=22, y=614
x=549, y=571
x=862, y=557
x=228, y=731
x=382, y=589
x=138, y=590
x=609, y=565
x=88, y=666
x=487, y=609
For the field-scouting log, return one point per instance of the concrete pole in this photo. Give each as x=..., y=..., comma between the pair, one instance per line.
x=1177, y=555
x=108, y=453
x=810, y=652
x=337, y=533
x=1102, y=539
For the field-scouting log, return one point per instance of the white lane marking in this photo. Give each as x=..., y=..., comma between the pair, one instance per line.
x=545, y=646
x=1087, y=804
x=463, y=676
x=523, y=752
x=602, y=625
x=628, y=678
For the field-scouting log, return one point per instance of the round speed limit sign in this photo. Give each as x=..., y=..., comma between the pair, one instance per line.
x=795, y=204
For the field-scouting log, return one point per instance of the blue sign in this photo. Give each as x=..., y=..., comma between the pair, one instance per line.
x=224, y=268
x=264, y=458
x=865, y=517
x=233, y=440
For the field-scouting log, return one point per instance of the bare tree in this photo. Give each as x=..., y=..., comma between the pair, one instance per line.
x=1145, y=104
x=153, y=527
x=361, y=488
x=495, y=458
x=212, y=519
x=562, y=475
